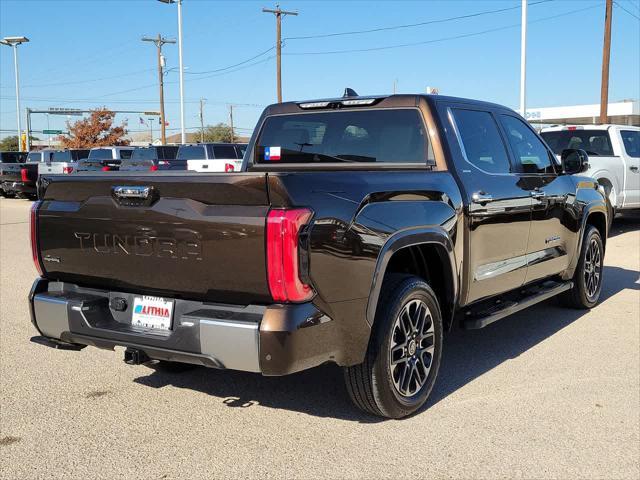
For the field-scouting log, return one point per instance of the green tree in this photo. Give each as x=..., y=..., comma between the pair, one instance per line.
x=220, y=132
x=11, y=143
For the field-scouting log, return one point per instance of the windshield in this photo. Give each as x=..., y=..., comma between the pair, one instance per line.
x=349, y=136
x=192, y=152
x=100, y=154
x=595, y=142
x=147, y=153
x=631, y=140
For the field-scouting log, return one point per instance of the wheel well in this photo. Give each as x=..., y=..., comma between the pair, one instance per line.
x=430, y=262
x=608, y=187
x=598, y=220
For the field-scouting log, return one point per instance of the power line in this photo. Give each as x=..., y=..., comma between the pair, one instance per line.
x=620, y=6
x=438, y=40
x=89, y=80
x=234, y=65
x=412, y=25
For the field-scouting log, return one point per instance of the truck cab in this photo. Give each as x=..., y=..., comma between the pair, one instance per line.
x=105, y=158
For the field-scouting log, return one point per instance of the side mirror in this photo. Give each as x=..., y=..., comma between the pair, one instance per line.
x=574, y=160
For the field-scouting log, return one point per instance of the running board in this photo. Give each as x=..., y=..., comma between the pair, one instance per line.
x=504, y=309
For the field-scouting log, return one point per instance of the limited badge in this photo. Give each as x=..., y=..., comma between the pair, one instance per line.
x=272, y=153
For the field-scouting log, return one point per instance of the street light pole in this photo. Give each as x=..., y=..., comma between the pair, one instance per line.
x=183, y=133
x=523, y=62
x=14, y=42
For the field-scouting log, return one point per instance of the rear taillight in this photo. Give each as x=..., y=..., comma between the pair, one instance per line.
x=33, y=234
x=24, y=173
x=153, y=168
x=283, y=255
x=67, y=169
x=106, y=169
x=228, y=167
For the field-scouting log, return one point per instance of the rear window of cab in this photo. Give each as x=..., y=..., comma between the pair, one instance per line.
x=374, y=136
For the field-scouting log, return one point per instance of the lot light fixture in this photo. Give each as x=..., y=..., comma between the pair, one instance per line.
x=14, y=42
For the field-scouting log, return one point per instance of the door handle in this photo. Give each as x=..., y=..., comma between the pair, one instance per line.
x=481, y=197
x=538, y=194
x=634, y=169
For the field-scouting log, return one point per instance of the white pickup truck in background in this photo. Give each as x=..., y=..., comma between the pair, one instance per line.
x=212, y=157
x=614, y=158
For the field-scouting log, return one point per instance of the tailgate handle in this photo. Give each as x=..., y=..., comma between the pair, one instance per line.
x=125, y=191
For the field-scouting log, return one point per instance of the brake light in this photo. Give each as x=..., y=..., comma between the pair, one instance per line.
x=228, y=167
x=153, y=168
x=106, y=169
x=572, y=128
x=33, y=232
x=67, y=169
x=24, y=173
x=283, y=256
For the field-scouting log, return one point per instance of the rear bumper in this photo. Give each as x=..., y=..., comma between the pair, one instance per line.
x=272, y=340
x=18, y=187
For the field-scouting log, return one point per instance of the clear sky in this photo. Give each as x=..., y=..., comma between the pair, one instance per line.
x=88, y=53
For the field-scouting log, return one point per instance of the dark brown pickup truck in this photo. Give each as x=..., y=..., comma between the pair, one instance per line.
x=360, y=230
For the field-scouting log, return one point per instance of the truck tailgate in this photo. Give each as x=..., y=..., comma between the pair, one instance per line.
x=193, y=236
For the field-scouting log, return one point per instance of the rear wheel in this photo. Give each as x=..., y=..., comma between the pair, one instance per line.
x=403, y=358
x=587, y=280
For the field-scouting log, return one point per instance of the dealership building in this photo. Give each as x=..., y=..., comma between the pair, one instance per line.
x=626, y=112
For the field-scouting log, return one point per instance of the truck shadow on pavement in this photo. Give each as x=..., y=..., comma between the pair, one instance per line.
x=320, y=392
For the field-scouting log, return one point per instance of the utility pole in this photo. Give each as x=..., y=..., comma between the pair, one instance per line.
x=202, y=120
x=159, y=41
x=523, y=62
x=279, y=13
x=233, y=137
x=606, y=56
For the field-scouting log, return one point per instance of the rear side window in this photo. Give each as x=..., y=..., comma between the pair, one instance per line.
x=527, y=148
x=483, y=146
x=631, y=141
x=386, y=136
x=224, y=151
x=595, y=142
x=192, y=152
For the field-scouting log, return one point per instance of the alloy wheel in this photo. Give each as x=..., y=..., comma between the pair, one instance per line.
x=592, y=268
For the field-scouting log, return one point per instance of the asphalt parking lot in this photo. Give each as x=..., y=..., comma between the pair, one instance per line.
x=547, y=393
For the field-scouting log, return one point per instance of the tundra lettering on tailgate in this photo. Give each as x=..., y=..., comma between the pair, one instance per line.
x=142, y=245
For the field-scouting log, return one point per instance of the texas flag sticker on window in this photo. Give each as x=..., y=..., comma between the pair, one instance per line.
x=272, y=153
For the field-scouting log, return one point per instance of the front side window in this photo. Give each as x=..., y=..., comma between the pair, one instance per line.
x=385, y=136
x=631, y=141
x=527, y=148
x=481, y=140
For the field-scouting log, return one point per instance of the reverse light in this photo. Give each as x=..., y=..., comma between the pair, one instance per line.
x=24, y=174
x=67, y=169
x=228, y=167
x=283, y=255
x=33, y=235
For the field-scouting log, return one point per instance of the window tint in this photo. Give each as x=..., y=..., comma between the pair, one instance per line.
x=100, y=154
x=34, y=157
x=61, y=156
x=126, y=153
x=13, y=157
x=631, y=140
x=147, y=153
x=527, y=148
x=595, y=142
x=78, y=154
x=347, y=136
x=481, y=140
x=224, y=151
x=192, y=152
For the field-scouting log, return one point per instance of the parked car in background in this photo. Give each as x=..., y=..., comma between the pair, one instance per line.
x=212, y=157
x=105, y=158
x=154, y=158
x=10, y=163
x=362, y=230
x=59, y=161
x=614, y=158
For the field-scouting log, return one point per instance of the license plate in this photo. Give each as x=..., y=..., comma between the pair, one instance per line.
x=152, y=312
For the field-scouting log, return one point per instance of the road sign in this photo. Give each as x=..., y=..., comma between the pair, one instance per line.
x=64, y=111
x=151, y=113
x=52, y=132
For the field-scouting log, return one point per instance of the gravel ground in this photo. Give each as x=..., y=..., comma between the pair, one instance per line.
x=547, y=393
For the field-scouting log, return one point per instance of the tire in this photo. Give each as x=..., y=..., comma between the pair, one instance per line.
x=584, y=294
x=378, y=385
